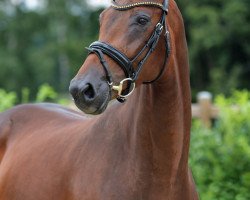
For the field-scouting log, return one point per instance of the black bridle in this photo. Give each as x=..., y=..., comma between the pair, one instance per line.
x=131, y=73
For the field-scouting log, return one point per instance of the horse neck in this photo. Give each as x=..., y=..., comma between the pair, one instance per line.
x=159, y=115
x=158, y=120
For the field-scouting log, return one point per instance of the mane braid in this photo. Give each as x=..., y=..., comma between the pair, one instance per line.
x=133, y=5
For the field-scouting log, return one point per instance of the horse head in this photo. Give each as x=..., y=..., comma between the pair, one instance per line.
x=132, y=35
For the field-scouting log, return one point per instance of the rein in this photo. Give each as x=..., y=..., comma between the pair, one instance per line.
x=131, y=73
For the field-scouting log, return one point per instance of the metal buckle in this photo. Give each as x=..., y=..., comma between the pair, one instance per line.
x=159, y=27
x=119, y=88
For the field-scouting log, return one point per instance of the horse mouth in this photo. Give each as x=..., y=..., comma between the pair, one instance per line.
x=96, y=107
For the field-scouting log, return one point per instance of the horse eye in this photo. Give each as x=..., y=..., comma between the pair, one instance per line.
x=142, y=21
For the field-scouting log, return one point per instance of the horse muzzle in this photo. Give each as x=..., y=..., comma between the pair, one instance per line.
x=90, y=96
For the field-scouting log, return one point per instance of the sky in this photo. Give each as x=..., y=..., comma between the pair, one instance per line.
x=99, y=2
x=32, y=3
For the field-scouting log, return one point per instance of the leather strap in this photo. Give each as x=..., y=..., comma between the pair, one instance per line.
x=115, y=54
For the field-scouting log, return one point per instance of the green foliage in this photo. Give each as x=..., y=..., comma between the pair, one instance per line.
x=44, y=45
x=218, y=33
x=45, y=94
x=7, y=100
x=220, y=157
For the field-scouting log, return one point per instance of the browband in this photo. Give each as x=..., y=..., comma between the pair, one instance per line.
x=138, y=4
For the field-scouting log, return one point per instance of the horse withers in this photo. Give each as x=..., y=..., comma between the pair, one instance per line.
x=134, y=149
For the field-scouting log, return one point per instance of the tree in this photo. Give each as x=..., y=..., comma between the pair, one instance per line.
x=44, y=45
x=218, y=34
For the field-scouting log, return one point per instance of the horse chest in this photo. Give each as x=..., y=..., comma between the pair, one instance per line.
x=111, y=175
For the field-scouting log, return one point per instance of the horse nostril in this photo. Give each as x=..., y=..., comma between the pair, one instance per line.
x=73, y=91
x=88, y=92
x=85, y=92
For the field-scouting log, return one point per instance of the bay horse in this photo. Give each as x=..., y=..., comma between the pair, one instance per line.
x=137, y=148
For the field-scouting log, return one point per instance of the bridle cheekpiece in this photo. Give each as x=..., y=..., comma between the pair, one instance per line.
x=131, y=73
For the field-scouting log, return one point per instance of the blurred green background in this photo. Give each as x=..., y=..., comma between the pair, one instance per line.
x=46, y=44
x=42, y=48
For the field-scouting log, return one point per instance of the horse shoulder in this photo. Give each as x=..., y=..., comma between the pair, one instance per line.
x=15, y=122
x=40, y=141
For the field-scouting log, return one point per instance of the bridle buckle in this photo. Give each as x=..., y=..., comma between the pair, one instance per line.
x=159, y=28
